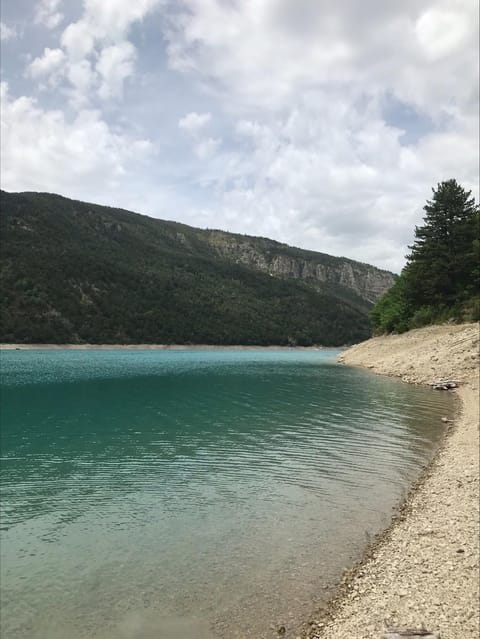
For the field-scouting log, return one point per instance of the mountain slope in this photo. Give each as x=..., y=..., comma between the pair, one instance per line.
x=78, y=272
x=359, y=284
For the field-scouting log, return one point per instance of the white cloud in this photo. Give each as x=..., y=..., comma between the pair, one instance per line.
x=115, y=65
x=43, y=150
x=304, y=84
x=329, y=178
x=82, y=78
x=99, y=58
x=78, y=40
x=194, y=125
x=194, y=122
x=441, y=31
x=264, y=53
x=6, y=32
x=207, y=148
x=322, y=124
x=112, y=19
x=47, y=13
x=49, y=63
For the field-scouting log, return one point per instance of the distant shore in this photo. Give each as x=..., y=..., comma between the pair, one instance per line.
x=423, y=571
x=160, y=347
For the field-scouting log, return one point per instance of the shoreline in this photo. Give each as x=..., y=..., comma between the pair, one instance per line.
x=163, y=347
x=422, y=571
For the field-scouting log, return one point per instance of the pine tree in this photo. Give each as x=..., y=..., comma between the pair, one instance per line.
x=440, y=268
x=442, y=275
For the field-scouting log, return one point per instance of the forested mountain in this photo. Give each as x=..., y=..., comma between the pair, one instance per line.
x=73, y=272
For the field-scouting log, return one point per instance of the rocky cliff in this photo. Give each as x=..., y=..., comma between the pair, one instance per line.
x=318, y=270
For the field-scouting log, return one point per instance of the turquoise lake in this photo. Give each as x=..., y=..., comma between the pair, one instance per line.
x=185, y=494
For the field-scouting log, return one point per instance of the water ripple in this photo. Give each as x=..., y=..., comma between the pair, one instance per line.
x=218, y=473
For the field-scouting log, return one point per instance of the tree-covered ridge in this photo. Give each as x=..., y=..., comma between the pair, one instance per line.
x=73, y=272
x=441, y=278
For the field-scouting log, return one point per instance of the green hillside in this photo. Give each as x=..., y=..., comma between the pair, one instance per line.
x=73, y=272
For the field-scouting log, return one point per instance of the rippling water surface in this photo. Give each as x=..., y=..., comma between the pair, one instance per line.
x=185, y=494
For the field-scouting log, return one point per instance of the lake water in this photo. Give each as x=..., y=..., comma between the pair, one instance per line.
x=196, y=493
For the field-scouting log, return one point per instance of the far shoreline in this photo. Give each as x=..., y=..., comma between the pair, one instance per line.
x=164, y=347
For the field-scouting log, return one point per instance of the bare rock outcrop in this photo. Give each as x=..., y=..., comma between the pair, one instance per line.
x=318, y=270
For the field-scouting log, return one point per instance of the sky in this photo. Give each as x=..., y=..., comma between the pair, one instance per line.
x=320, y=123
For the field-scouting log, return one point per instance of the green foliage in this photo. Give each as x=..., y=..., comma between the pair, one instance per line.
x=424, y=316
x=73, y=272
x=440, y=280
x=471, y=309
x=391, y=313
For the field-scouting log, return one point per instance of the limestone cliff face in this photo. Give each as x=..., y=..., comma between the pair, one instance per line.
x=317, y=269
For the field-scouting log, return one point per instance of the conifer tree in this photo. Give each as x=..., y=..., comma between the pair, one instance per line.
x=441, y=265
x=441, y=277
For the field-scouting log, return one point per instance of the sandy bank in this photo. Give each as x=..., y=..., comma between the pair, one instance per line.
x=425, y=572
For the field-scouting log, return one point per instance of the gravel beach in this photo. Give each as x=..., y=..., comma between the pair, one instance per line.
x=424, y=572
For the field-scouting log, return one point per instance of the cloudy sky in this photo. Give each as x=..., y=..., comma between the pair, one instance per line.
x=320, y=123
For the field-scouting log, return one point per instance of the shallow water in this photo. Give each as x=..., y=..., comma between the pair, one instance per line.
x=194, y=493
